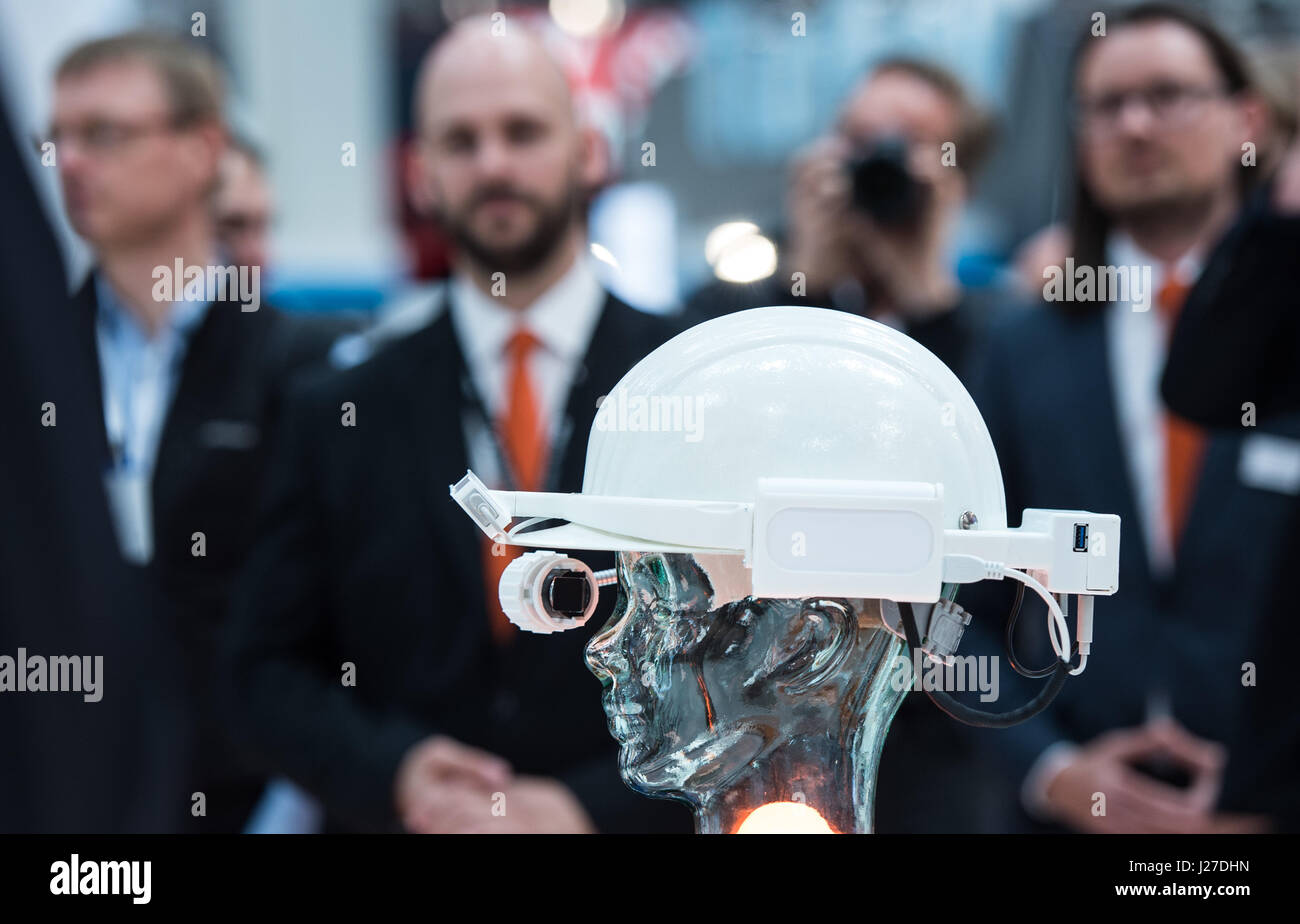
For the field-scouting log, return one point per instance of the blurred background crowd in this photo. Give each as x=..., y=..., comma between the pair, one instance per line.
x=468, y=220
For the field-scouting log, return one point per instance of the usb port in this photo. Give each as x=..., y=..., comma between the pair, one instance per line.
x=1081, y=537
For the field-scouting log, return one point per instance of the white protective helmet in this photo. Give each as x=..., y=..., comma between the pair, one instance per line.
x=793, y=393
x=835, y=454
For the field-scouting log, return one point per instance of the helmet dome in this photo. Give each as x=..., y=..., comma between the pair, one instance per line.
x=792, y=392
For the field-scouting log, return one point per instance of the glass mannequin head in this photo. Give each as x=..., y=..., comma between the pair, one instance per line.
x=735, y=704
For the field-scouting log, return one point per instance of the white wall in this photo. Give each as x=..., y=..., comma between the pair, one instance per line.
x=33, y=37
x=312, y=75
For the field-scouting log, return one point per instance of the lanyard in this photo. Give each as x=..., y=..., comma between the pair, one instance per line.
x=118, y=420
x=152, y=369
x=125, y=438
x=472, y=404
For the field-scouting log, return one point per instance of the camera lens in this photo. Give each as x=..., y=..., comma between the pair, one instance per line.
x=567, y=593
x=882, y=185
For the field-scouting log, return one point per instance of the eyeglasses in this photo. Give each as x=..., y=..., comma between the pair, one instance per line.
x=104, y=136
x=1170, y=104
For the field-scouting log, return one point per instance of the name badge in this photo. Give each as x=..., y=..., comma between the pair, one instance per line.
x=131, y=507
x=1270, y=463
x=228, y=434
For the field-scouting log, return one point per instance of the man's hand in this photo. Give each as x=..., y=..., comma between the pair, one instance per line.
x=1135, y=803
x=817, y=204
x=439, y=780
x=530, y=805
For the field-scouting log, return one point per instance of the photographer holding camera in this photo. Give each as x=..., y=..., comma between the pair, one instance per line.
x=872, y=206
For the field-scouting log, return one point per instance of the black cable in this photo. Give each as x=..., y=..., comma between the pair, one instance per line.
x=978, y=717
x=1033, y=673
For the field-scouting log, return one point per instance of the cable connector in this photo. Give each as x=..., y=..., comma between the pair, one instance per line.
x=1083, y=630
x=967, y=569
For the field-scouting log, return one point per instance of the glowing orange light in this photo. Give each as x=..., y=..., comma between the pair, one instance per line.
x=784, y=818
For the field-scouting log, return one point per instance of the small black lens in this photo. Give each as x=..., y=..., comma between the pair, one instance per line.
x=567, y=593
x=883, y=187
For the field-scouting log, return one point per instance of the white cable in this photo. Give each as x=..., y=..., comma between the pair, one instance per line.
x=1064, y=602
x=1058, y=640
x=1055, y=616
x=1083, y=629
x=967, y=569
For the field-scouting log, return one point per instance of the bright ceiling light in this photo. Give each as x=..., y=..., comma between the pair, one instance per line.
x=723, y=236
x=602, y=254
x=738, y=253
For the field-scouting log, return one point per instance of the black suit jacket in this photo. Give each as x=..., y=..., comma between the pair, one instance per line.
x=363, y=559
x=1236, y=345
x=207, y=479
x=1240, y=324
x=66, y=765
x=1045, y=393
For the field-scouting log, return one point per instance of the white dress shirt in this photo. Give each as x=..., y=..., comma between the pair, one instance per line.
x=1136, y=342
x=562, y=319
x=139, y=374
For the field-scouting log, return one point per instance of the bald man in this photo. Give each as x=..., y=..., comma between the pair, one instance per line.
x=369, y=659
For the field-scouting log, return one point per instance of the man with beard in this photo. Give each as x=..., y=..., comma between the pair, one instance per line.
x=370, y=661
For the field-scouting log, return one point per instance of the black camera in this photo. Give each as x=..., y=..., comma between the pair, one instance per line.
x=883, y=187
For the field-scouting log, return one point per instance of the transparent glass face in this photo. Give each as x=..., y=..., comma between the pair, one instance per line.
x=751, y=702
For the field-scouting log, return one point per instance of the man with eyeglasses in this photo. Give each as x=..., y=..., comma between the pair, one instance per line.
x=188, y=387
x=1234, y=350
x=1163, y=110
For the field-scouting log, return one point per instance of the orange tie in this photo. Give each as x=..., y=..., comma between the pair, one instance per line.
x=1184, y=441
x=523, y=442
